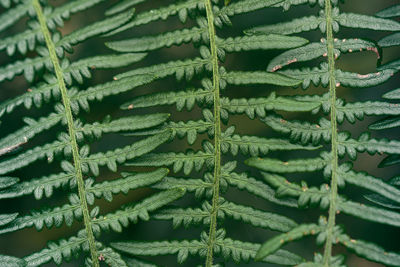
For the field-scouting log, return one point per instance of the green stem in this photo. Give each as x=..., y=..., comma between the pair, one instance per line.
x=71, y=130
x=217, y=137
x=334, y=138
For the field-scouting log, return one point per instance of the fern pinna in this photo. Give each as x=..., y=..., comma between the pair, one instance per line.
x=60, y=84
x=202, y=176
x=391, y=40
x=341, y=144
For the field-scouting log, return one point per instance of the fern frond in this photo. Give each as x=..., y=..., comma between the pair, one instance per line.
x=162, y=13
x=240, y=250
x=191, y=185
x=300, y=165
x=277, y=242
x=181, y=99
x=370, y=213
x=122, y=217
x=259, y=77
x=123, y=5
x=186, y=68
x=264, y=42
x=120, y=155
x=316, y=50
x=30, y=156
x=14, y=14
x=186, y=161
x=257, y=218
x=320, y=75
x=63, y=249
x=295, y=26
x=258, y=188
x=94, y=29
x=27, y=39
x=365, y=143
x=259, y=106
x=358, y=21
x=32, y=129
x=182, y=248
x=369, y=182
x=7, y=218
x=370, y=250
x=127, y=182
x=256, y=145
x=43, y=186
x=168, y=39
x=81, y=67
x=185, y=217
x=304, y=132
x=128, y=123
x=49, y=217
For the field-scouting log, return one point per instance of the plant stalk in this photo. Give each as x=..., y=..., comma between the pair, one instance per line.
x=334, y=136
x=217, y=136
x=71, y=130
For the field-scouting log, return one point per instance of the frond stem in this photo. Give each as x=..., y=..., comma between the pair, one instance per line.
x=334, y=138
x=217, y=136
x=71, y=130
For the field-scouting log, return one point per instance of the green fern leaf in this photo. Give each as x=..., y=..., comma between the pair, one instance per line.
x=98, y=92
x=258, y=188
x=183, y=248
x=256, y=145
x=94, y=29
x=392, y=11
x=186, y=68
x=127, y=182
x=132, y=213
x=149, y=43
x=259, y=106
x=185, y=217
x=14, y=14
x=40, y=187
x=301, y=131
x=57, y=251
x=129, y=123
x=316, y=50
x=390, y=40
x=265, y=42
x=365, y=143
x=112, y=258
x=181, y=99
x=370, y=213
x=7, y=218
x=257, y=218
x=239, y=250
x=260, y=77
x=160, y=13
x=295, y=26
x=300, y=165
x=120, y=155
x=321, y=75
x=30, y=156
x=81, y=67
x=370, y=251
x=385, y=124
x=49, y=217
x=367, y=22
x=371, y=183
x=121, y=6
x=186, y=161
x=277, y=242
x=12, y=261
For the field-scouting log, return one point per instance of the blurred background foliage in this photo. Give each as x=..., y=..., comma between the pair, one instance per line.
x=29, y=240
